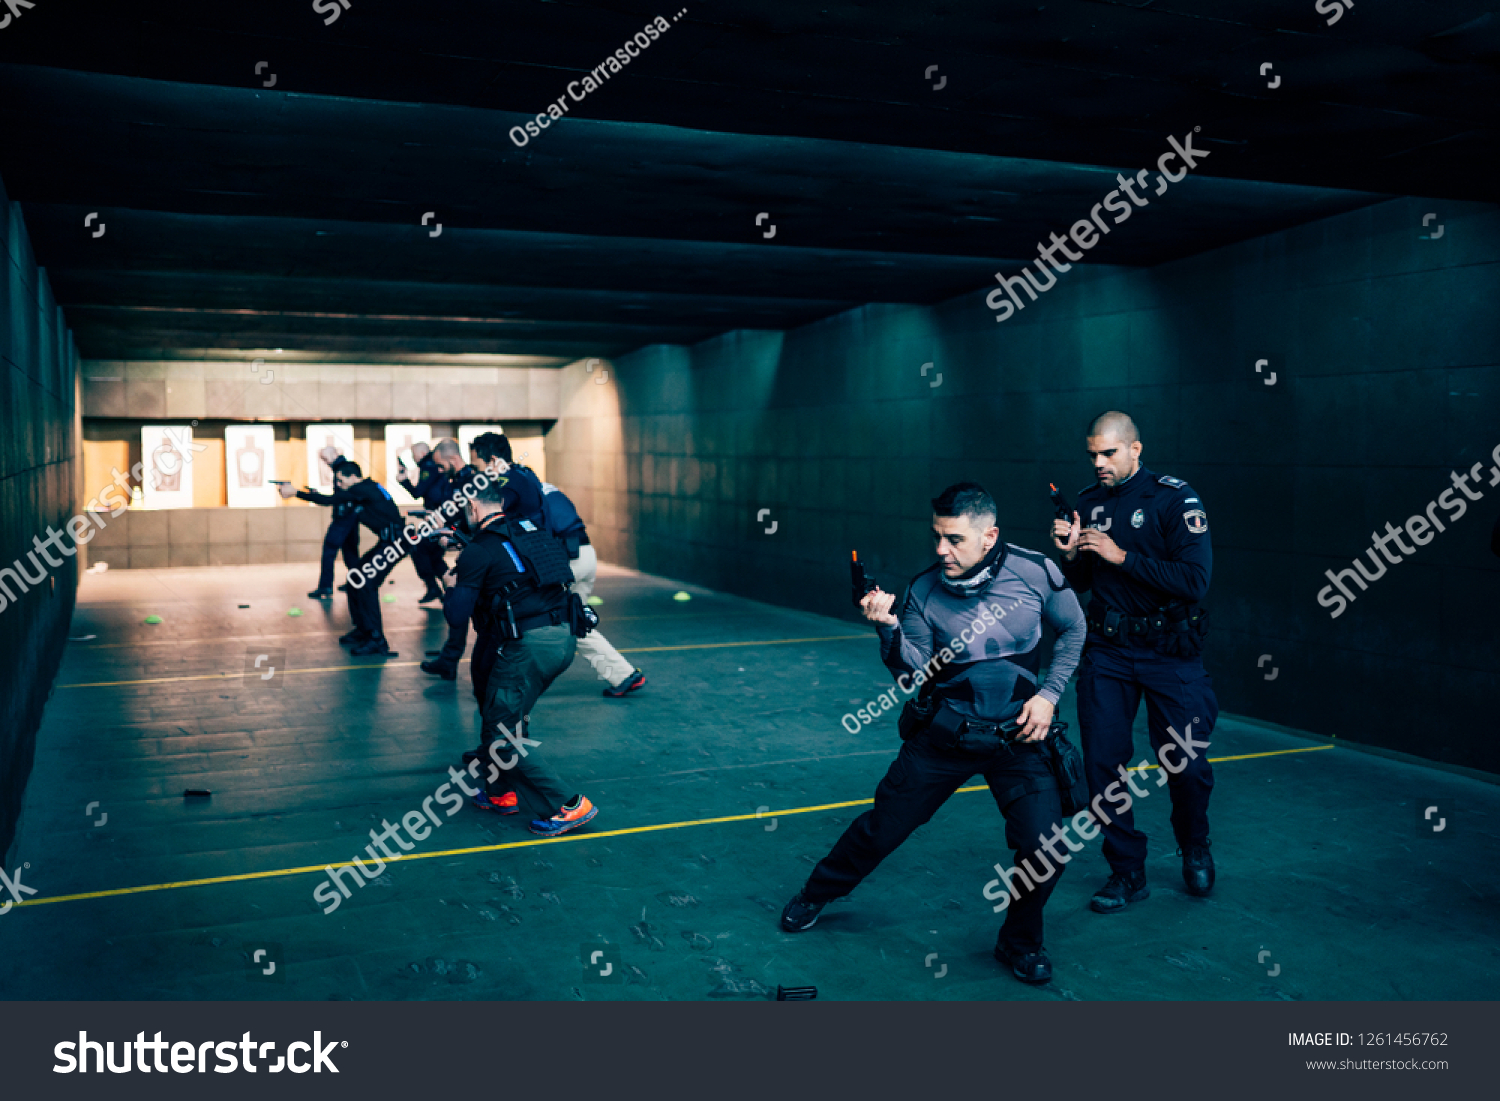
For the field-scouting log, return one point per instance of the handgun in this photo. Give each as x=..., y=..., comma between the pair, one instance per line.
x=448, y=533
x=862, y=583
x=1060, y=506
x=274, y=482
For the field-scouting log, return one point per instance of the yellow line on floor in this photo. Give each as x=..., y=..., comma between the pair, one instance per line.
x=313, y=635
x=279, y=873
x=409, y=664
x=721, y=645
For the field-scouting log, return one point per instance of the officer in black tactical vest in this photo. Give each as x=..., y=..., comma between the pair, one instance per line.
x=513, y=578
x=372, y=504
x=1140, y=542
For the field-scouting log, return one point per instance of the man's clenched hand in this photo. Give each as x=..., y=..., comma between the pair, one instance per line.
x=877, y=608
x=1065, y=536
x=1092, y=539
x=1035, y=719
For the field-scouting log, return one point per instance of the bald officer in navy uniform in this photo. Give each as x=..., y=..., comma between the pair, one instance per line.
x=1139, y=541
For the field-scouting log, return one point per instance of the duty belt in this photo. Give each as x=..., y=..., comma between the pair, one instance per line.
x=1110, y=622
x=1007, y=731
x=549, y=619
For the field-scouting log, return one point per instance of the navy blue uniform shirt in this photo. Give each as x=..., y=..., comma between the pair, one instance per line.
x=1162, y=527
x=344, y=506
x=430, y=484
x=376, y=509
x=522, y=491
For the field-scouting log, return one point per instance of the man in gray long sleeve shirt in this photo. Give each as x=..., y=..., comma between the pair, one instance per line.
x=969, y=636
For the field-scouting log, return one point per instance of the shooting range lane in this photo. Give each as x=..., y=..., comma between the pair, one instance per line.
x=302, y=767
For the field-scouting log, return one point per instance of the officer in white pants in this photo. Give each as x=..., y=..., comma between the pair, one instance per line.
x=614, y=670
x=493, y=454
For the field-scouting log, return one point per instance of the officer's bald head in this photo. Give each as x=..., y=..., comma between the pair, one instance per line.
x=447, y=454
x=1117, y=425
x=1114, y=447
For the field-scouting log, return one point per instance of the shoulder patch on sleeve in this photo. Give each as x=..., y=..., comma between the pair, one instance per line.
x=1168, y=480
x=1196, y=521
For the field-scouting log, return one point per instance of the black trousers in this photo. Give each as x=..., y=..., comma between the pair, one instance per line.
x=365, y=582
x=342, y=537
x=453, y=652
x=486, y=651
x=520, y=671
x=919, y=781
x=1179, y=694
x=428, y=560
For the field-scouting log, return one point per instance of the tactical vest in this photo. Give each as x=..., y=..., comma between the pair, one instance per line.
x=541, y=564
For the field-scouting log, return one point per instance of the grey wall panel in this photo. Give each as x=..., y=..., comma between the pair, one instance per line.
x=1386, y=350
x=40, y=469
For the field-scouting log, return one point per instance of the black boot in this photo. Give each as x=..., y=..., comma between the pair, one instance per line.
x=357, y=637
x=440, y=669
x=1033, y=968
x=1197, y=869
x=1121, y=890
x=800, y=914
x=375, y=646
x=434, y=592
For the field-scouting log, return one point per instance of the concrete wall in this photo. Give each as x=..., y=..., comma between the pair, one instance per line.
x=155, y=391
x=39, y=486
x=156, y=540
x=1387, y=358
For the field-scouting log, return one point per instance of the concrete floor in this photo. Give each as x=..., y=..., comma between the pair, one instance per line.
x=1327, y=888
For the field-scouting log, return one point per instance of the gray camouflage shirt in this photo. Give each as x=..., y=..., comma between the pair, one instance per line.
x=986, y=648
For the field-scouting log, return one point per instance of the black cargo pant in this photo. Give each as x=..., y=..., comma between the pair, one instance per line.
x=1181, y=710
x=342, y=537
x=453, y=652
x=427, y=557
x=522, y=670
x=920, y=781
x=365, y=581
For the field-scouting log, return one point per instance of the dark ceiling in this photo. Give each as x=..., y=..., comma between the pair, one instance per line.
x=240, y=217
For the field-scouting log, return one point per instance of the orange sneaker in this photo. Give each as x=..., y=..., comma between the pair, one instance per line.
x=574, y=813
x=500, y=804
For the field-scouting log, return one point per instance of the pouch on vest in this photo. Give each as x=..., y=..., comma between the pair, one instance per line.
x=543, y=553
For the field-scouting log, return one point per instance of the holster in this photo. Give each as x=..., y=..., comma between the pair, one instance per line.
x=581, y=617
x=1066, y=763
x=1186, y=628
x=916, y=715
